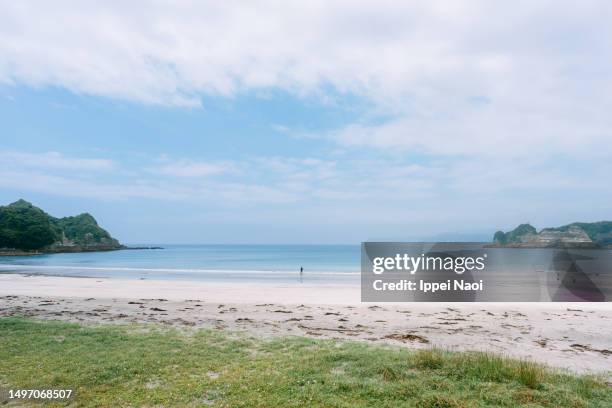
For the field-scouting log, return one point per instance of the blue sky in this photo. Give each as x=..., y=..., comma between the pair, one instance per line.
x=324, y=123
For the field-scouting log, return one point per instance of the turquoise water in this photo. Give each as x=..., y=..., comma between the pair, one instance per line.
x=330, y=263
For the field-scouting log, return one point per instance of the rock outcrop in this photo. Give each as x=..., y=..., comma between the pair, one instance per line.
x=576, y=235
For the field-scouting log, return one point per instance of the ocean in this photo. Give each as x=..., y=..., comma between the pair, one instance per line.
x=518, y=273
x=250, y=263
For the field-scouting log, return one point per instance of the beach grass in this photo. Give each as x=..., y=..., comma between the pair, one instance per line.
x=153, y=366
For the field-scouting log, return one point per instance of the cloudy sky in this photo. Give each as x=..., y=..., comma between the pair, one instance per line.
x=308, y=122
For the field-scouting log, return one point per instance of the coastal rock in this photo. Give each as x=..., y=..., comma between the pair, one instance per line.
x=576, y=235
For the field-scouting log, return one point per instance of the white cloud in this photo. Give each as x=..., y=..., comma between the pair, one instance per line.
x=170, y=52
x=54, y=160
x=486, y=131
x=492, y=110
x=461, y=77
x=371, y=197
x=189, y=168
x=68, y=185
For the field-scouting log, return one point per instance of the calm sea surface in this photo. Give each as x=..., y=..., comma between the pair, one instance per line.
x=515, y=270
x=330, y=263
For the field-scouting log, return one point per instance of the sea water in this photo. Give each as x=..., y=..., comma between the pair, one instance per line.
x=530, y=268
x=254, y=263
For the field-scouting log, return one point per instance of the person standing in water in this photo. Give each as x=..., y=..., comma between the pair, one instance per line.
x=301, y=273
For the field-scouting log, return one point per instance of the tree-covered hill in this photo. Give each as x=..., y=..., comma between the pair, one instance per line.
x=515, y=235
x=83, y=230
x=24, y=226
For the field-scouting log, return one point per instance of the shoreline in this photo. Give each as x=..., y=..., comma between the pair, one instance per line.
x=72, y=250
x=573, y=336
x=231, y=292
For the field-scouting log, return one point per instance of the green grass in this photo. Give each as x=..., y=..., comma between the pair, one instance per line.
x=114, y=366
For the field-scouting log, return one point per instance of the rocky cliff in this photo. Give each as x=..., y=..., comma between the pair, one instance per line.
x=577, y=235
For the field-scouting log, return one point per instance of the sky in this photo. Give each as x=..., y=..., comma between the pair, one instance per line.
x=308, y=122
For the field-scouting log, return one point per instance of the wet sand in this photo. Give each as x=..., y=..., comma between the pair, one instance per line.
x=574, y=336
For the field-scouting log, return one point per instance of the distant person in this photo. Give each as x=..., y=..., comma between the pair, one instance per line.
x=301, y=273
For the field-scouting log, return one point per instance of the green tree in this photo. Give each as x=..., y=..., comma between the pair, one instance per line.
x=24, y=226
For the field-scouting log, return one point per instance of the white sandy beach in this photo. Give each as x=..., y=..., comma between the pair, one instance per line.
x=575, y=336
